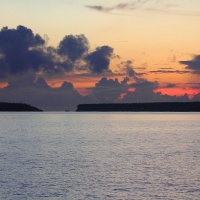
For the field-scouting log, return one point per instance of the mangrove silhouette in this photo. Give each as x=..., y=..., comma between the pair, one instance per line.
x=141, y=107
x=17, y=107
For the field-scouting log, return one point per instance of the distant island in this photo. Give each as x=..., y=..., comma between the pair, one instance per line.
x=141, y=107
x=17, y=107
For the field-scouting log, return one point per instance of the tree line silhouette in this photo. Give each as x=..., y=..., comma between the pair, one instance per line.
x=17, y=107
x=142, y=107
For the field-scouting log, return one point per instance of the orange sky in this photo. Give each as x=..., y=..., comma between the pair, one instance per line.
x=155, y=36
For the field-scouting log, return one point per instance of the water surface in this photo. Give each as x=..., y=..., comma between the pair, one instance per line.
x=99, y=155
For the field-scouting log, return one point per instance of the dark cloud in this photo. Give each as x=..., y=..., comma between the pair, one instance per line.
x=20, y=51
x=23, y=54
x=166, y=68
x=196, y=97
x=170, y=71
x=146, y=5
x=99, y=8
x=144, y=84
x=73, y=46
x=147, y=96
x=67, y=86
x=144, y=92
x=193, y=64
x=21, y=81
x=170, y=85
x=112, y=91
x=121, y=6
x=158, y=6
x=41, y=83
x=107, y=90
x=104, y=82
x=99, y=60
x=125, y=80
x=127, y=67
x=40, y=94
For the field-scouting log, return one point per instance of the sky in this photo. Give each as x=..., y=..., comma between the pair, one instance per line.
x=56, y=54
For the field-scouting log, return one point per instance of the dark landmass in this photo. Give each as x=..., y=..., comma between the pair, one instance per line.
x=18, y=107
x=141, y=107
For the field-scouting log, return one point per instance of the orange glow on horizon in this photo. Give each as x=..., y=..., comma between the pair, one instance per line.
x=131, y=89
x=3, y=84
x=83, y=92
x=122, y=95
x=80, y=81
x=178, y=91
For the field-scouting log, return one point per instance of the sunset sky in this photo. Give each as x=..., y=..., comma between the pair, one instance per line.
x=93, y=51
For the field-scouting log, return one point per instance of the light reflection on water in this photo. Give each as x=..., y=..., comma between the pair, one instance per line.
x=99, y=156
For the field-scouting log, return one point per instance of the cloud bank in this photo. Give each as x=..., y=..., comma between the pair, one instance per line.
x=21, y=51
x=25, y=56
x=193, y=64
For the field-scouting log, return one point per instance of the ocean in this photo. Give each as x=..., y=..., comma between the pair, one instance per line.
x=69, y=155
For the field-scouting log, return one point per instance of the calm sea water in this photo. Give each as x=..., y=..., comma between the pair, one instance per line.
x=99, y=156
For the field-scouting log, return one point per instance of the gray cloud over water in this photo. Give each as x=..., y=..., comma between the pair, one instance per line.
x=25, y=55
x=22, y=51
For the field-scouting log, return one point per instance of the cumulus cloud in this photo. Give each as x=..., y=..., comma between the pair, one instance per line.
x=40, y=83
x=127, y=67
x=38, y=93
x=99, y=60
x=22, y=51
x=144, y=92
x=41, y=95
x=193, y=64
x=73, y=46
x=143, y=83
x=112, y=91
x=143, y=89
x=147, y=96
x=107, y=90
x=104, y=82
x=24, y=54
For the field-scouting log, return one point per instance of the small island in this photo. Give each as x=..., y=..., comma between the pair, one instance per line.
x=17, y=107
x=141, y=107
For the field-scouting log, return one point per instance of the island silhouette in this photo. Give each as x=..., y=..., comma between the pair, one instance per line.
x=18, y=107
x=141, y=107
